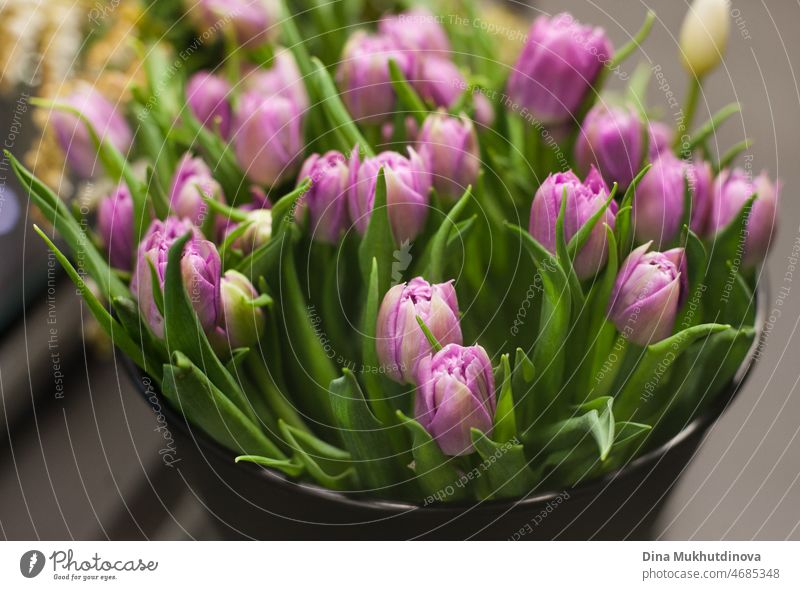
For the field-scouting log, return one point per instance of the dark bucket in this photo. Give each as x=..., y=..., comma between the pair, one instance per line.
x=249, y=501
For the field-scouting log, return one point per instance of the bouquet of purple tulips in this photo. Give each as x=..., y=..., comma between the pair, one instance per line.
x=380, y=269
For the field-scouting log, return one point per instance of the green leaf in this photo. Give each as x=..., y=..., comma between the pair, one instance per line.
x=549, y=351
x=376, y=391
x=290, y=467
x=312, y=456
x=596, y=423
x=623, y=226
x=153, y=349
x=565, y=260
x=505, y=465
x=435, y=472
x=283, y=211
x=728, y=157
x=635, y=43
x=582, y=235
x=378, y=243
x=57, y=212
x=406, y=95
x=183, y=332
x=264, y=260
x=311, y=366
x=505, y=423
x=692, y=312
x=190, y=391
x=657, y=357
x=115, y=331
x=709, y=128
x=337, y=113
x=726, y=246
x=363, y=435
x=435, y=270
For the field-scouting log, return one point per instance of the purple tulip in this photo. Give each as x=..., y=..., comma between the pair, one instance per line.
x=449, y=146
x=207, y=96
x=730, y=193
x=659, y=200
x=650, y=288
x=363, y=75
x=401, y=343
x=191, y=182
x=558, y=65
x=241, y=322
x=254, y=22
x=417, y=29
x=200, y=269
x=282, y=79
x=661, y=138
x=584, y=199
x=612, y=138
x=484, y=111
x=326, y=199
x=408, y=183
x=439, y=81
x=73, y=136
x=115, y=226
x=455, y=394
x=268, y=137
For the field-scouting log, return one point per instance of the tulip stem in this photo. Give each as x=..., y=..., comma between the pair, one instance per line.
x=272, y=394
x=692, y=98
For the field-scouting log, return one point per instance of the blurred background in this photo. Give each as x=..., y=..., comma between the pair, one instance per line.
x=79, y=450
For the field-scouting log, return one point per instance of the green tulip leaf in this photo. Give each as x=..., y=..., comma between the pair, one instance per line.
x=635, y=398
x=363, y=435
x=190, y=391
x=436, y=473
x=505, y=466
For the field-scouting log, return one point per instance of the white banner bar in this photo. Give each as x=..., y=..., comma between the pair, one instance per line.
x=385, y=565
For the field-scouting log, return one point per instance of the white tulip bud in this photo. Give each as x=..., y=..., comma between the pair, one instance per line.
x=704, y=35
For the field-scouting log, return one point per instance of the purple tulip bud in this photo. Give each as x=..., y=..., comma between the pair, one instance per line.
x=484, y=111
x=455, y=394
x=560, y=61
x=254, y=22
x=659, y=200
x=191, y=182
x=439, y=81
x=401, y=343
x=242, y=323
x=417, y=29
x=363, y=75
x=731, y=191
x=584, y=199
x=268, y=137
x=408, y=183
x=449, y=146
x=200, y=269
x=207, y=96
x=115, y=226
x=257, y=233
x=612, y=138
x=326, y=199
x=73, y=136
x=282, y=79
x=661, y=138
x=650, y=288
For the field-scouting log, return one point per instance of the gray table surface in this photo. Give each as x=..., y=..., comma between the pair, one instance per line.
x=85, y=465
